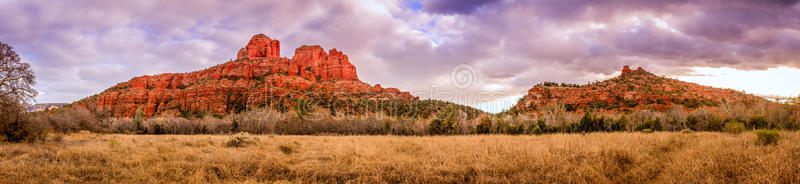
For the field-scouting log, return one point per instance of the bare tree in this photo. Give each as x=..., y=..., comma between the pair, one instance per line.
x=16, y=81
x=16, y=77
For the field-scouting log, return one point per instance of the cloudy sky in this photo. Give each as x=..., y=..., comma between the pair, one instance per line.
x=467, y=51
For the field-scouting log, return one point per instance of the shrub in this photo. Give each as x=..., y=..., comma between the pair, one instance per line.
x=484, y=126
x=542, y=125
x=619, y=124
x=572, y=128
x=757, y=122
x=500, y=126
x=446, y=123
x=734, y=127
x=536, y=130
x=72, y=120
x=286, y=149
x=703, y=120
x=591, y=123
x=57, y=137
x=114, y=142
x=26, y=130
x=516, y=129
x=691, y=122
x=767, y=137
x=241, y=139
x=651, y=124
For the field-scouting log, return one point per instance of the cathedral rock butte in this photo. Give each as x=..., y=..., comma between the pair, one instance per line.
x=258, y=77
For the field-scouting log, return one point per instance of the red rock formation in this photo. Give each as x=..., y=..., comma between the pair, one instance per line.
x=627, y=70
x=325, y=66
x=261, y=46
x=632, y=90
x=258, y=77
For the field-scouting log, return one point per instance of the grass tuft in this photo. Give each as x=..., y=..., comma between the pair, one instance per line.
x=286, y=149
x=241, y=139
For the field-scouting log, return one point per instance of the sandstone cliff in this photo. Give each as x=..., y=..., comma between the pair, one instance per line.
x=259, y=77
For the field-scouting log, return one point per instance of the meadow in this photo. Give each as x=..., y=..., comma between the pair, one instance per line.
x=601, y=157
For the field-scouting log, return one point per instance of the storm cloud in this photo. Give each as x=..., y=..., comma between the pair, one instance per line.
x=79, y=48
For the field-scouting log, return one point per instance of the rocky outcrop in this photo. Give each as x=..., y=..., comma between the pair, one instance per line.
x=261, y=46
x=258, y=77
x=325, y=66
x=626, y=70
x=632, y=90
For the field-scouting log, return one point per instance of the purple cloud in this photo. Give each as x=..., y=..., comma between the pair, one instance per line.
x=453, y=6
x=79, y=48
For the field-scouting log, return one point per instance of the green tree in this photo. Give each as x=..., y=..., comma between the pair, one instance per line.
x=620, y=124
x=536, y=130
x=516, y=129
x=138, y=118
x=652, y=124
x=758, y=122
x=542, y=125
x=587, y=122
x=445, y=123
x=484, y=126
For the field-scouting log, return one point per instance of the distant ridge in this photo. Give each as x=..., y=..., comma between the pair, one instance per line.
x=631, y=90
x=45, y=106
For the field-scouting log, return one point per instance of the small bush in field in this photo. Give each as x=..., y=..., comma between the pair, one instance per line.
x=57, y=137
x=767, y=137
x=734, y=127
x=286, y=149
x=114, y=142
x=241, y=139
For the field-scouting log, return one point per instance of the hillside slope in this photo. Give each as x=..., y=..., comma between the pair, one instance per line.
x=632, y=90
x=259, y=77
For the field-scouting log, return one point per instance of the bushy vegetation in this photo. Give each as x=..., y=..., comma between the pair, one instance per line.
x=24, y=130
x=734, y=127
x=241, y=139
x=767, y=137
x=306, y=117
x=445, y=123
x=450, y=120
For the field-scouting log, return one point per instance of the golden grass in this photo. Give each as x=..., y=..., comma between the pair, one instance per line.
x=658, y=157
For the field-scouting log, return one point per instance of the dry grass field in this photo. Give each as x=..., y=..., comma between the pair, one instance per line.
x=659, y=157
